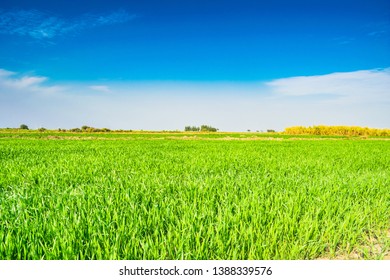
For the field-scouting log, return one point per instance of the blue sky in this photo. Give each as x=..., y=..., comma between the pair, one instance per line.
x=236, y=65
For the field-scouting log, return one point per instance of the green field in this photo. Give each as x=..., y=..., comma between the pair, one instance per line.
x=157, y=196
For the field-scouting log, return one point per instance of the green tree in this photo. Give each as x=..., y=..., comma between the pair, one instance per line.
x=208, y=128
x=191, y=128
x=85, y=127
x=23, y=126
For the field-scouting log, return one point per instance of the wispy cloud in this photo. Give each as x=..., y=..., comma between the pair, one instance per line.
x=42, y=25
x=11, y=82
x=379, y=29
x=5, y=73
x=357, y=85
x=100, y=88
x=343, y=40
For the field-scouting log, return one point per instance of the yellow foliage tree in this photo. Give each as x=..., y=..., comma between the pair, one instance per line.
x=336, y=130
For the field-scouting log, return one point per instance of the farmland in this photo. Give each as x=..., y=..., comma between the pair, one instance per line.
x=156, y=196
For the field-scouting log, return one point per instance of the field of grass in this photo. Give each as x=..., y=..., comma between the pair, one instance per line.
x=69, y=196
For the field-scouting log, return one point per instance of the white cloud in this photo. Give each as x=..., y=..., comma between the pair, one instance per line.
x=30, y=81
x=358, y=85
x=10, y=82
x=101, y=88
x=366, y=86
x=43, y=25
x=5, y=73
x=354, y=98
x=378, y=29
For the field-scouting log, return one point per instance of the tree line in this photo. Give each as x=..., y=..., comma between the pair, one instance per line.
x=337, y=130
x=204, y=128
x=293, y=130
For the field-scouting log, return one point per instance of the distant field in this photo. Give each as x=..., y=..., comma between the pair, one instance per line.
x=69, y=196
x=53, y=134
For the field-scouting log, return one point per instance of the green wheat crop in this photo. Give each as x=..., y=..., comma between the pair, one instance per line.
x=197, y=199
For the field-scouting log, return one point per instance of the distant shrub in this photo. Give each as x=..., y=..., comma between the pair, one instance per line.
x=208, y=128
x=192, y=128
x=23, y=126
x=86, y=128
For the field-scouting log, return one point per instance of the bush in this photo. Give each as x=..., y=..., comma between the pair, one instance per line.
x=191, y=128
x=23, y=126
x=85, y=127
x=208, y=128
